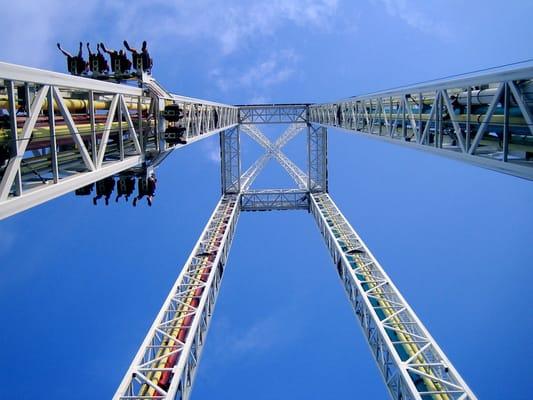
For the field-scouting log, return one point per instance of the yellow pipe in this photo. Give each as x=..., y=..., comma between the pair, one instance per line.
x=80, y=105
x=154, y=377
x=43, y=132
x=497, y=119
x=410, y=348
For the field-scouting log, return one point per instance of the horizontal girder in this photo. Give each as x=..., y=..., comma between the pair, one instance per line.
x=485, y=119
x=273, y=113
x=275, y=199
x=166, y=363
x=63, y=132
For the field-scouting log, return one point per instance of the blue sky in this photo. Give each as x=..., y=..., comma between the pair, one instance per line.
x=80, y=285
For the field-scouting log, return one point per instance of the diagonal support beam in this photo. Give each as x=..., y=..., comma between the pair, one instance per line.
x=133, y=132
x=73, y=130
x=168, y=362
x=14, y=164
x=107, y=130
x=46, y=159
x=410, y=360
x=248, y=177
x=292, y=169
x=291, y=132
x=485, y=119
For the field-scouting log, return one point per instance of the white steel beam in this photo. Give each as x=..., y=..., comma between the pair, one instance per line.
x=291, y=132
x=412, y=364
x=73, y=130
x=230, y=158
x=275, y=150
x=275, y=199
x=49, y=191
x=26, y=74
x=251, y=173
x=294, y=171
x=166, y=363
x=96, y=124
x=273, y=113
x=317, y=159
x=13, y=167
x=465, y=118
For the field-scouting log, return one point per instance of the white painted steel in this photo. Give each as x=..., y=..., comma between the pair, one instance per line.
x=275, y=150
x=275, y=199
x=255, y=169
x=187, y=309
x=317, y=159
x=145, y=146
x=412, y=364
x=273, y=114
x=446, y=116
x=41, y=194
x=26, y=74
x=230, y=160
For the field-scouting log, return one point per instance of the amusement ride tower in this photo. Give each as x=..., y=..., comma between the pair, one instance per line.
x=63, y=133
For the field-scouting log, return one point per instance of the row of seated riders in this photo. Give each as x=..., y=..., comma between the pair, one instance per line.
x=125, y=186
x=97, y=64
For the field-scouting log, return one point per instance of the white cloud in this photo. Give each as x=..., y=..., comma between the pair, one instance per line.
x=278, y=68
x=260, y=336
x=32, y=28
x=234, y=25
x=258, y=99
x=230, y=25
x=239, y=341
x=408, y=12
x=7, y=240
x=222, y=82
x=211, y=150
x=275, y=69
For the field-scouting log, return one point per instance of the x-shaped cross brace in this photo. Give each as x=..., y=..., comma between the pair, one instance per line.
x=274, y=150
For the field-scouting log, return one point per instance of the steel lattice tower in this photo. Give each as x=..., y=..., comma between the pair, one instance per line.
x=73, y=131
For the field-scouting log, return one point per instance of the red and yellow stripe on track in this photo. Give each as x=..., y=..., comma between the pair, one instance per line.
x=181, y=325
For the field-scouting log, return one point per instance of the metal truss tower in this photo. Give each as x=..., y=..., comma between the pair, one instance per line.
x=62, y=133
